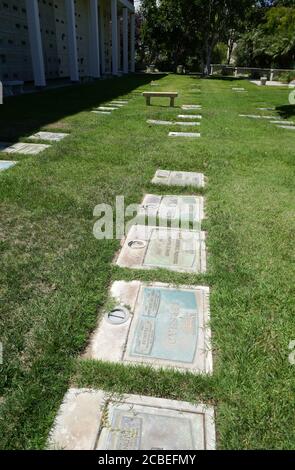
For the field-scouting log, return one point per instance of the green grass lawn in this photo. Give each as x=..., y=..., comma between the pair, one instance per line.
x=55, y=275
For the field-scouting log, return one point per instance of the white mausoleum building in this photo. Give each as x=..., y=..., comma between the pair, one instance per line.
x=42, y=39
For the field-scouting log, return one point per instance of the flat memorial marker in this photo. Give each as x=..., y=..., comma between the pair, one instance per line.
x=189, y=116
x=172, y=208
x=291, y=128
x=120, y=101
x=172, y=123
x=50, y=136
x=5, y=164
x=179, y=178
x=162, y=327
x=184, y=134
x=150, y=247
x=91, y=419
x=101, y=112
x=106, y=108
x=266, y=109
x=27, y=149
x=256, y=116
x=191, y=106
x=288, y=123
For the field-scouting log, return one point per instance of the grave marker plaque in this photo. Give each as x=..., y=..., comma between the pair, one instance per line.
x=179, y=178
x=27, y=149
x=167, y=327
x=94, y=420
x=50, y=136
x=148, y=247
x=5, y=164
x=192, y=135
x=172, y=208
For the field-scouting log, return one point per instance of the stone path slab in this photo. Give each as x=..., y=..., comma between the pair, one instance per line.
x=172, y=208
x=91, y=419
x=171, y=123
x=150, y=247
x=27, y=149
x=190, y=116
x=50, y=136
x=5, y=164
x=179, y=178
x=193, y=135
x=162, y=327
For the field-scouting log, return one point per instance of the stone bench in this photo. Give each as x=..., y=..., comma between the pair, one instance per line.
x=160, y=94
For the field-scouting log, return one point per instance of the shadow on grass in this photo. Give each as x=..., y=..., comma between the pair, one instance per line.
x=286, y=111
x=223, y=77
x=26, y=114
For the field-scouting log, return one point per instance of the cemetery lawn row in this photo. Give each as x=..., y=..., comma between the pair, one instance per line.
x=55, y=275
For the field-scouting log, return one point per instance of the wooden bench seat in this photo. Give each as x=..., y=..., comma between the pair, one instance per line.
x=160, y=94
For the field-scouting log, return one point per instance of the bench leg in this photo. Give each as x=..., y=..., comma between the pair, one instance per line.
x=172, y=102
x=148, y=100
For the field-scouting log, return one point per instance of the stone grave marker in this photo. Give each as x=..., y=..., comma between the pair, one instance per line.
x=163, y=326
x=106, y=108
x=179, y=178
x=282, y=122
x=189, y=116
x=5, y=164
x=91, y=419
x=266, y=109
x=193, y=135
x=191, y=106
x=291, y=128
x=171, y=123
x=172, y=208
x=50, y=136
x=150, y=247
x=101, y=112
x=27, y=149
x=256, y=116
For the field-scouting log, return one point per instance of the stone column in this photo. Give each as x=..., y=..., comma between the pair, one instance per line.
x=102, y=39
x=119, y=43
x=36, y=42
x=114, y=37
x=72, y=41
x=94, y=40
x=125, y=41
x=132, y=46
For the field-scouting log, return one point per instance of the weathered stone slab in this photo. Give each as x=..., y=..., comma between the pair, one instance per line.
x=91, y=419
x=191, y=106
x=165, y=327
x=116, y=105
x=190, y=116
x=149, y=247
x=172, y=208
x=238, y=89
x=101, y=112
x=50, y=136
x=292, y=128
x=5, y=164
x=266, y=109
x=179, y=178
x=27, y=149
x=193, y=135
x=171, y=123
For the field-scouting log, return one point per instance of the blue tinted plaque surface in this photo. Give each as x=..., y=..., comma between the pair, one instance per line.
x=167, y=325
x=4, y=165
